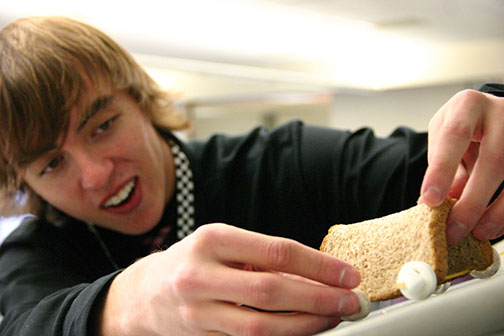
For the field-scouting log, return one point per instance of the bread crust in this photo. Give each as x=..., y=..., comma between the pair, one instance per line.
x=378, y=248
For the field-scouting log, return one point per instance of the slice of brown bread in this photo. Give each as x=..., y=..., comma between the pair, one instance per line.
x=378, y=248
x=470, y=254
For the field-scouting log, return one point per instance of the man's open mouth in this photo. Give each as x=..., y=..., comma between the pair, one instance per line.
x=122, y=196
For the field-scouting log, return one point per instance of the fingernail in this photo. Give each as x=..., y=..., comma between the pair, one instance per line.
x=349, y=277
x=348, y=305
x=433, y=196
x=455, y=232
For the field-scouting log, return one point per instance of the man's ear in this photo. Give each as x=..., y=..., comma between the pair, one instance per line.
x=12, y=202
x=27, y=200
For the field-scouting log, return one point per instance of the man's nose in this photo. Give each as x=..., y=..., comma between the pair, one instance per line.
x=95, y=171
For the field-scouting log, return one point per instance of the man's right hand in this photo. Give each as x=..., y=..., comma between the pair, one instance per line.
x=208, y=283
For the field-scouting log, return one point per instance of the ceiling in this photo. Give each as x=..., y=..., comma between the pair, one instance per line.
x=436, y=20
x=332, y=44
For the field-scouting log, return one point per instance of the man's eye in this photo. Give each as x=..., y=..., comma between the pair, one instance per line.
x=52, y=165
x=105, y=126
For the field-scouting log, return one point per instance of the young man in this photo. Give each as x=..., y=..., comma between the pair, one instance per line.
x=86, y=138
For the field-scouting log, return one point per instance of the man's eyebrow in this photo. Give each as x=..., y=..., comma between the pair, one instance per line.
x=98, y=104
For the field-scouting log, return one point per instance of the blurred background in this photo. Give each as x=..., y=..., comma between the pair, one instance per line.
x=235, y=64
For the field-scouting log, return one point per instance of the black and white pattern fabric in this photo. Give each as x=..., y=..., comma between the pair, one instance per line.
x=184, y=191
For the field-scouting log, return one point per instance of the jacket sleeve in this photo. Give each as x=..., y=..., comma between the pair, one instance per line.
x=47, y=287
x=354, y=176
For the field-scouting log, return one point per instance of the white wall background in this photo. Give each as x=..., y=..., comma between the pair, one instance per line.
x=383, y=111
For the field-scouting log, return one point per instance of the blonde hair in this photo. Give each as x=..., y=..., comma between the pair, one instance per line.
x=42, y=61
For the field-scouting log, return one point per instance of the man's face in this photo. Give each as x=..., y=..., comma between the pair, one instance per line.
x=113, y=169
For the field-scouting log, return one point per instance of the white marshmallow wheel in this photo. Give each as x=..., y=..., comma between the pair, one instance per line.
x=365, y=307
x=417, y=280
x=491, y=270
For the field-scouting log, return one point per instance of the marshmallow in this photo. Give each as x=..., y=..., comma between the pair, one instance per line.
x=491, y=270
x=442, y=288
x=365, y=307
x=416, y=280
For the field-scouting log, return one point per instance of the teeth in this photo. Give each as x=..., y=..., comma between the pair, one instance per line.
x=121, y=195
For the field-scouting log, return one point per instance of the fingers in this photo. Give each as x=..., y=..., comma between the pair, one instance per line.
x=234, y=269
x=274, y=292
x=482, y=184
x=230, y=319
x=459, y=182
x=450, y=134
x=273, y=253
x=464, y=170
x=466, y=160
x=485, y=178
x=491, y=226
x=262, y=290
x=229, y=280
